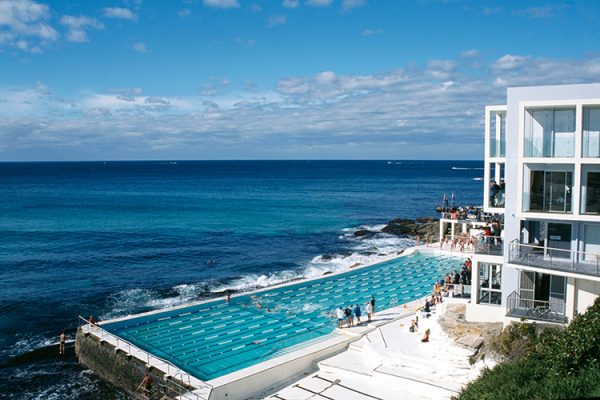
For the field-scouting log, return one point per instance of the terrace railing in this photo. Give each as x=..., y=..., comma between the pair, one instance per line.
x=173, y=375
x=491, y=245
x=579, y=262
x=549, y=311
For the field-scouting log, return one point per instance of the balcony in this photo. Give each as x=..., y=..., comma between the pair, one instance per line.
x=547, y=311
x=553, y=259
x=490, y=245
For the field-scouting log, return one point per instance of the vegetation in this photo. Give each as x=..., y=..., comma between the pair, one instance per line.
x=554, y=364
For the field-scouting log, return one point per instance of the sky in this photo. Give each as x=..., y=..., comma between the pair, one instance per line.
x=277, y=79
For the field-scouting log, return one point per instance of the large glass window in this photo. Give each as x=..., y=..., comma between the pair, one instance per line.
x=591, y=131
x=591, y=193
x=498, y=134
x=490, y=281
x=550, y=133
x=550, y=191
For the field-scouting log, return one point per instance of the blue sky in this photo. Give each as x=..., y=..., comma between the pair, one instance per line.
x=285, y=79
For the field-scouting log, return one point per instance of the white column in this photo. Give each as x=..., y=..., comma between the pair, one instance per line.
x=570, y=298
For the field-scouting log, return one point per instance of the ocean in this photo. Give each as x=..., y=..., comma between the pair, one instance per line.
x=114, y=238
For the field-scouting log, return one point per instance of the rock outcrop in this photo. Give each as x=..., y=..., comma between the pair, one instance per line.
x=424, y=227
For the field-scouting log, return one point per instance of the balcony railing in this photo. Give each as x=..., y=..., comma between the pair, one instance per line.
x=491, y=245
x=554, y=259
x=549, y=311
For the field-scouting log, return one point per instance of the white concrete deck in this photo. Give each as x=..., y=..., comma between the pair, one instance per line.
x=390, y=362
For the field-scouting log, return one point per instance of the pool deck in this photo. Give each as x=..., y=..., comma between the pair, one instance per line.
x=257, y=381
x=391, y=363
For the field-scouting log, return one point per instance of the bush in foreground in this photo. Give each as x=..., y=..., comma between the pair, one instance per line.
x=557, y=364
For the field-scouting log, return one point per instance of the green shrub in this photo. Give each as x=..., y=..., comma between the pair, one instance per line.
x=556, y=364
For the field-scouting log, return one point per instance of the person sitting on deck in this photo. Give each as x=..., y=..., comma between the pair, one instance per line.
x=426, y=336
x=414, y=325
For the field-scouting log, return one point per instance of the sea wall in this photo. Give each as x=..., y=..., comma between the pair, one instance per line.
x=116, y=367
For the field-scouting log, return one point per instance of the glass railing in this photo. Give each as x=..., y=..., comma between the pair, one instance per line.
x=564, y=260
x=491, y=245
x=540, y=310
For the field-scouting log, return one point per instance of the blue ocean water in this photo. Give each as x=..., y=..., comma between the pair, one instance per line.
x=114, y=238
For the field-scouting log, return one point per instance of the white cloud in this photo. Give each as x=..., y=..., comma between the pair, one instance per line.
x=184, y=13
x=255, y=8
x=348, y=5
x=318, y=3
x=548, y=11
x=78, y=27
x=119, y=13
x=25, y=25
x=290, y=3
x=140, y=47
x=472, y=53
x=275, y=20
x=508, y=62
x=371, y=32
x=221, y=3
x=387, y=114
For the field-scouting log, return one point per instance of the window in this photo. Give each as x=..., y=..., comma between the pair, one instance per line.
x=550, y=133
x=591, y=193
x=550, y=191
x=490, y=280
x=591, y=131
x=498, y=134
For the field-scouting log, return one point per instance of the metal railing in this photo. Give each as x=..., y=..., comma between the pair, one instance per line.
x=172, y=373
x=551, y=258
x=492, y=245
x=540, y=310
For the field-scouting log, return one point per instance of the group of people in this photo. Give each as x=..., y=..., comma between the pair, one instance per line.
x=460, y=242
x=352, y=313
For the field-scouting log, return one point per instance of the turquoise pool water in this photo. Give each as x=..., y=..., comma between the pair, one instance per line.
x=215, y=338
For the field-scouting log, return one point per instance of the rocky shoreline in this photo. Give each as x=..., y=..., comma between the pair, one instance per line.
x=424, y=227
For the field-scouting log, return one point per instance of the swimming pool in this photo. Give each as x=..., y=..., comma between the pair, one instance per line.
x=215, y=338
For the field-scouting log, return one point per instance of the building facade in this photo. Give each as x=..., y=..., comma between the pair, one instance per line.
x=542, y=165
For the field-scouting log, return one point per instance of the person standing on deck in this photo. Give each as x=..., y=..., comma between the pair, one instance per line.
x=369, y=308
x=348, y=314
x=357, y=313
x=373, y=304
x=340, y=316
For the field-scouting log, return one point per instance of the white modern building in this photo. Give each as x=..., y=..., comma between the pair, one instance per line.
x=543, y=151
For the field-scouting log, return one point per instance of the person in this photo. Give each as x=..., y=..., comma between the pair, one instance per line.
x=340, y=316
x=146, y=385
x=413, y=325
x=426, y=336
x=369, y=309
x=228, y=295
x=348, y=315
x=63, y=340
x=427, y=308
x=92, y=320
x=373, y=304
x=357, y=313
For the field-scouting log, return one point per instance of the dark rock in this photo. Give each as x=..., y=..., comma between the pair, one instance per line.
x=363, y=232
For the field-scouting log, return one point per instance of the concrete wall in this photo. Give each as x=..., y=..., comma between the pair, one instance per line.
x=586, y=293
x=269, y=380
x=117, y=368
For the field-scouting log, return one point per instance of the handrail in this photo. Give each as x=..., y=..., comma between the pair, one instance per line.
x=123, y=344
x=577, y=261
x=514, y=301
x=516, y=242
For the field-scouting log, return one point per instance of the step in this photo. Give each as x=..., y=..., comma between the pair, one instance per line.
x=400, y=375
